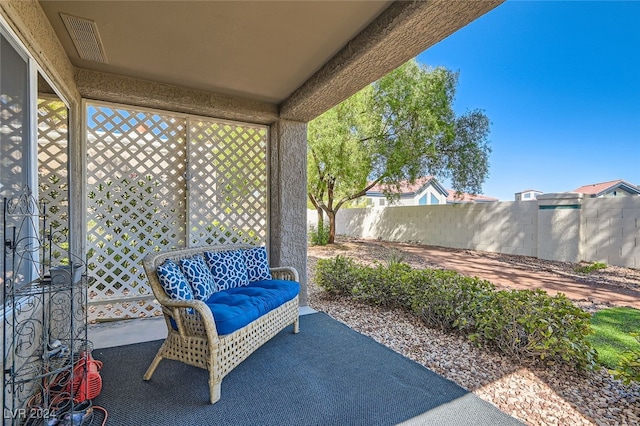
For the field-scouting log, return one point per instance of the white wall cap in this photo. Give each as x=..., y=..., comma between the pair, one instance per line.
x=560, y=198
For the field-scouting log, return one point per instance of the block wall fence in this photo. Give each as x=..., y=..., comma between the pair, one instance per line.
x=564, y=227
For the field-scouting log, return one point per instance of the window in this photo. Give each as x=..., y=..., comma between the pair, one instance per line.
x=434, y=199
x=33, y=149
x=16, y=143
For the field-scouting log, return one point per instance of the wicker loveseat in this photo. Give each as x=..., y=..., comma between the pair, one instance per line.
x=218, y=333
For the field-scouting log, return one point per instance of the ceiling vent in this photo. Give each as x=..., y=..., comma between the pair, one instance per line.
x=85, y=37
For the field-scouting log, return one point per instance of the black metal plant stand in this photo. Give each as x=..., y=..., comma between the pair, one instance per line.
x=44, y=318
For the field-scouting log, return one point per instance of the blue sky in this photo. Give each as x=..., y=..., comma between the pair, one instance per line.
x=560, y=82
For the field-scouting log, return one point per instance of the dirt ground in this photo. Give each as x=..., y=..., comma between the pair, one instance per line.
x=612, y=286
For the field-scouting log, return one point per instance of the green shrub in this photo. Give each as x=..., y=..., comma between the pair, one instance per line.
x=586, y=269
x=629, y=367
x=383, y=285
x=377, y=285
x=394, y=256
x=319, y=236
x=338, y=275
x=521, y=323
x=532, y=324
x=447, y=300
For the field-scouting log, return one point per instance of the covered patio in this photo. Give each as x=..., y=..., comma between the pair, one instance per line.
x=144, y=75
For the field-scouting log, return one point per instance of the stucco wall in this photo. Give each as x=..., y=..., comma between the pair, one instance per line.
x=149, y=94
x=559, y=227
x=611, y=230
x=604, y=229
x=507, y=227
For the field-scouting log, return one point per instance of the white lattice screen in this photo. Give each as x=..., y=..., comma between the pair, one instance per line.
x=53, y=185
x=140, y=182
x=227, y=183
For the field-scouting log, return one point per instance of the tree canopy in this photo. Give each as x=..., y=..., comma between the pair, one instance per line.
x=397, y=129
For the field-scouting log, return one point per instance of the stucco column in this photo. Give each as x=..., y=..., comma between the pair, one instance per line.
x=288, y=198
x=559, y=226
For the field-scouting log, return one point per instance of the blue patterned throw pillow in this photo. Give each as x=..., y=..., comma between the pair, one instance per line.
x=257, y=264
x=173, y=281
x=228, y=268
x=199, y=276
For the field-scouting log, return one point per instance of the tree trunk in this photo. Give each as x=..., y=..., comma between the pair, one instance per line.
x=332, y=227
x=320, y=219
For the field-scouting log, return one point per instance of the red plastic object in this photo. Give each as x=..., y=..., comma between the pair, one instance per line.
x=87, y=382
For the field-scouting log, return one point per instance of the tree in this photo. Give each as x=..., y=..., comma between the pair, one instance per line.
x=398, y=129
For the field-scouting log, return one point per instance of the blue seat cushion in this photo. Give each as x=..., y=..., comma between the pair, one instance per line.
x=236, y=307
x=282, y=290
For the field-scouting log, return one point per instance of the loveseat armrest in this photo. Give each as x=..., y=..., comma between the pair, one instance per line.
x=285, y=273
x=202, y=319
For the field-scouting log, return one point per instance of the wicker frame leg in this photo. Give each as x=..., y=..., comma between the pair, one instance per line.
x=214, y=389
x=296, y=325
x=153, y=366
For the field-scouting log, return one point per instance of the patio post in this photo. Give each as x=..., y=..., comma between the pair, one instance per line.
x=288, y=198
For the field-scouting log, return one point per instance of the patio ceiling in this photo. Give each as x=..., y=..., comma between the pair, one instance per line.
x=274, y=52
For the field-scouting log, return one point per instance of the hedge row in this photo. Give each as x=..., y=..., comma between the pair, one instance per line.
x=528, y=324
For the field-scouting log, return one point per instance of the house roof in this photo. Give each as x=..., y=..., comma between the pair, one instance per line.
x=596, y=189
x=299, y=58
x=408, y=189
x=465, y=197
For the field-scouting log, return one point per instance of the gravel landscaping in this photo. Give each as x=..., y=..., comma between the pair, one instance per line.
x=534, y=395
